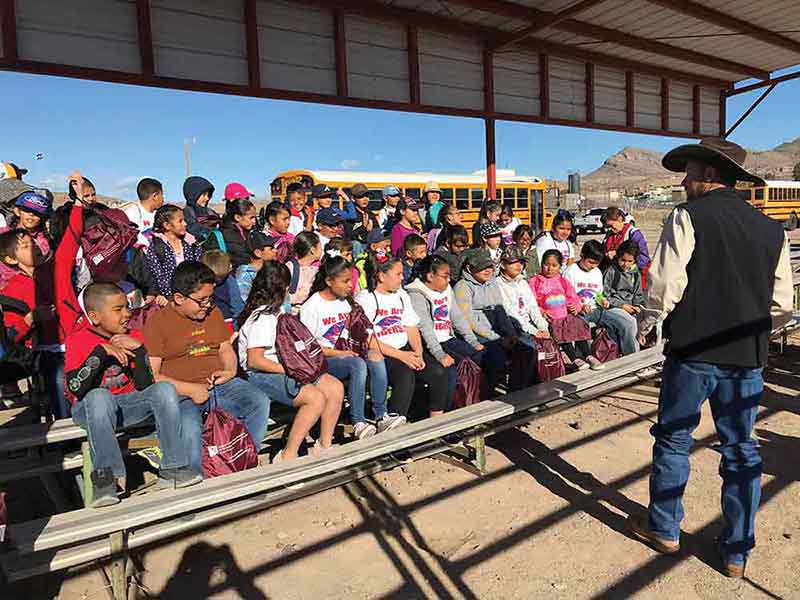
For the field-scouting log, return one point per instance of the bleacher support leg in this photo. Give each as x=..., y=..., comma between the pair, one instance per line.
x=88, y=489
x=479, y=444
x=119, y=560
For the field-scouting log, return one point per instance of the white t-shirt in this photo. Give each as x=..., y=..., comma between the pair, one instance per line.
x=391, y=314
x=325, y=319
x=508, y=231
x=587, y=284
x=144, y=220
x=547, y=242
x=258, y=332
x=296, y=225
x=440, y=312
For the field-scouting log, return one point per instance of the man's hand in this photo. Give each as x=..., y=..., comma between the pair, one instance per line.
x=125, y=341
x=198, y=393
x=120, y=354
x=342, y=195
x=220, y=377
x=344, y=353
x=447, y=361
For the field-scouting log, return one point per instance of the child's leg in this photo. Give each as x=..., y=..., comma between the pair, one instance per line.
x=378, y=384
x=161, y=401
x=402, y=379
x=97, y=414
x=569, y=349
x=333, y=390
x=583, y=349
x=354, y=370
x=310, y=403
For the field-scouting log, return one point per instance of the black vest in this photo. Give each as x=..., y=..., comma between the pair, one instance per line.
x=724, y=315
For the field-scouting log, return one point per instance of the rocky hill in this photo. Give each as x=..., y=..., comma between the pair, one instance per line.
x=60, y=198
x=638, y=168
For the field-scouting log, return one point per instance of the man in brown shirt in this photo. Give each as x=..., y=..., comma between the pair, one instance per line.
x=189, y=346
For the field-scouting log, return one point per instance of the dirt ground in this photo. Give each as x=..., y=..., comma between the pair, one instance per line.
x=546, y=521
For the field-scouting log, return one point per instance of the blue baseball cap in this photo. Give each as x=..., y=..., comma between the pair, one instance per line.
x=391, y=190
x=329, y=216
x=35, y=202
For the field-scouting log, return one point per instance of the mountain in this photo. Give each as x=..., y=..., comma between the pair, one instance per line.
x=60, y=198
x=638, y=168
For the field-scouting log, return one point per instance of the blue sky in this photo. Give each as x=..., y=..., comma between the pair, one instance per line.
x=117, y=134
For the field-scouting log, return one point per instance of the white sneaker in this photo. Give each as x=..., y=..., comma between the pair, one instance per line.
x=580, y=364
x=364, y=430
x=595, y=364
x=390, y=421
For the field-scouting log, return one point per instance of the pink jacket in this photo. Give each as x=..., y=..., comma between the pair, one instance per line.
x=554, y=295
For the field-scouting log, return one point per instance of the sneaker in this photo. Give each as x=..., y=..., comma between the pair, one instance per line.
x=729, y=569
x=595, y=364
x=390, y=421
x=318, y=449
x=153, y=456
x=453, y=439
x=364, y=430
x=174, y=479
x=105, y=489
x=641, y=530
x=580, y=364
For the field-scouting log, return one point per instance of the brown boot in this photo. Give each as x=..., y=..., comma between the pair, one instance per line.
x=641, y=530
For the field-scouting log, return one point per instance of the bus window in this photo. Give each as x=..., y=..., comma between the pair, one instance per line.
x=537, y=216
x=413, y=192
x=772, y=194
x=375, y=199
x=522, y=198
x=477, y=197
x=447, y=194
x=759, y=193
x=744, y=194
x=276, y=187
x=497, y=195
x=508, y=196
x=462, y=198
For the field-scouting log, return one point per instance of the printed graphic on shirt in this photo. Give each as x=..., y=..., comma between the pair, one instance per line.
x=521, y=304
x=587, y=296
x=555, y=300
x=335, y=327
x=441, y=314
x=388, y=324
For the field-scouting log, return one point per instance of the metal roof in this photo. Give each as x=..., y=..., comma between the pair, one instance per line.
x=661, y=67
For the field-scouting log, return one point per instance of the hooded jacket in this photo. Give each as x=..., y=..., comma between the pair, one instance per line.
x=623, y=288
x=456, y=261
x=476, y=300
x=520, y=304
x=422, y=300
x=193, y=188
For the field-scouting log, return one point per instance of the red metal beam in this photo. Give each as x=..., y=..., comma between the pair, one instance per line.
x=253, y=51
x=696, y=109
x=340, y=43
x=722, y=19
x=145, y=36
x=544, y=86
x=412, y=46
x=491, y=170
x=755, y=86
x=488, y=81
x=452, y=26
x=518, y=11
x=589, y=93
x=9, y=24
x=723, y=113
x=630, y=99
x=665, y=104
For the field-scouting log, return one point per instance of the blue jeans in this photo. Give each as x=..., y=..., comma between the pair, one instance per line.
x=354, y=370
x=493, y=362
x=279, y=387
x=621, y=326
x=734, y=394
x=51, y=366
x=458, y=349
x=238, y=398
x=101, y=414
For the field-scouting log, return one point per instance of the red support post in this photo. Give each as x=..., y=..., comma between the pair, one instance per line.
x=544, y=85
x=630, y=100
x=696, y=110
x=145, y=31
x=253, y=51
x=589, y=93
x=723, y=113
x=9, y=25
x=340, y=43
x=412, y=46
x=488, y=82
x=665, y=104
x=491, y=171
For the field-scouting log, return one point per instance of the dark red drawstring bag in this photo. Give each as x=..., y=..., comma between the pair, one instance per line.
x=107, y=235
x=468, y=390
x=298, y=350
x=139, y=316
x=604, y=348
x=356, y=333
x=551, y=365
x=570, y=329
x=227, y=445
x=3, y=516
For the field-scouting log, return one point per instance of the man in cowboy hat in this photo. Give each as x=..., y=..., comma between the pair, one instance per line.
x=721, y=282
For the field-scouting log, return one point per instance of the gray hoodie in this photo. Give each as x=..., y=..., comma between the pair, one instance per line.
x=473, y=298
x=422, y=301
x=623, y=288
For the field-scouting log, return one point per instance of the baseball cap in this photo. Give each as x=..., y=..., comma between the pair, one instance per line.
x=236, y=191
x=431, y=186
x=322, y=190
x=359, y=190
x=377, y=235
x=11, y=188
x=328, y=216
x=478, y=259
x=34, y=201
x=488, y=229
x=391, y=190
x=257, y=240
x=512, y=254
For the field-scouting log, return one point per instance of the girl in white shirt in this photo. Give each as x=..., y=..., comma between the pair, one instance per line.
x=320, y=401
x=326, y=313
x=558, y=239
x=398, y=340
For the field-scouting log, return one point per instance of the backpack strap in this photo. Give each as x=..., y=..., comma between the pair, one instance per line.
x=295, y=275
x=14, y=305
x=220, y=239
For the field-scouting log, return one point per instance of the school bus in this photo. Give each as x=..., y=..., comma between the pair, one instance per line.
x=777, y=199
x=525, y=195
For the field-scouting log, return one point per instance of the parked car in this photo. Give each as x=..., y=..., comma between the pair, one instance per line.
x=592, y=221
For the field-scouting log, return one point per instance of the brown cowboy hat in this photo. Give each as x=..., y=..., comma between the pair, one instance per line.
x=716, y=151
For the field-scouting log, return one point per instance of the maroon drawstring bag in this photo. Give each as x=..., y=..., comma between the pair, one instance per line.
x=356, y=333
x=604, y=348
x=139, y=316
x=570, y=329
x=468, y=389
x=107, y=235
x=298, y=350
x=3, y=516
x=551, y=365
x=227, y=445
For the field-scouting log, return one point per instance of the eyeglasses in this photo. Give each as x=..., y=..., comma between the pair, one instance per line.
x=202, y=303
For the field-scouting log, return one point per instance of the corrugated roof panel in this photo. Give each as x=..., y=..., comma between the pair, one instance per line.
x=377, y=59
x=516, y=83
x=567, y=89
x=451, y=71
x=647, y=102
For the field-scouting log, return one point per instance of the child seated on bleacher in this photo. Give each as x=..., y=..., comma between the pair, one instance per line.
x=307, y=253
x=189, y=346
x=414, y=250
x=340, y=246
x=261, y=248
x=518, y=299
x=227, y=297
x=622, y=282
x=379, y=250
x=454, y=241
x=326, y=315
x=320, y=401
x=170, y=245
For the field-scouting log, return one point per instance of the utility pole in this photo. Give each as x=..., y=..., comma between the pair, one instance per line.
x=186, y=143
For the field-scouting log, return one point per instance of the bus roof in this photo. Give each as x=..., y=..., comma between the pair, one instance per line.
x=783, y=184
x=419, y=177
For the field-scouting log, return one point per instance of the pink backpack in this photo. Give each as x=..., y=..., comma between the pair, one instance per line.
x=298, y=350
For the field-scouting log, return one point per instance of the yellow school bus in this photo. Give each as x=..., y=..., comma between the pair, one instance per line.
x=525, y=195
x=777, y=199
